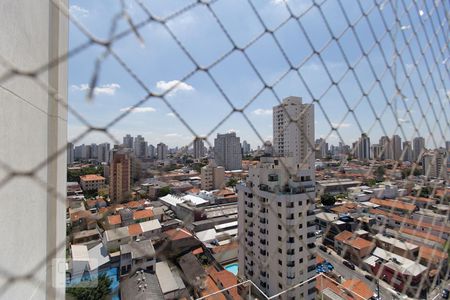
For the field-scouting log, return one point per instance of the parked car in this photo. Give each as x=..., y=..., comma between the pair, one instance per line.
x=369, y=277
x=445, y=294
x=348, y=264
x=323, y=248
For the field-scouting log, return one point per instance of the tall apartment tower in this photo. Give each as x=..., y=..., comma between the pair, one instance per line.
x=227, y=151
x=418, y=147
x=363, y=147
x=386, y=148
x=396, y=144
x=128, y=141
x=407, y=151
x=70, y=153
x=103, y=152
x=275, y=211
x=119, y=175
x=161, y=151
x=321, y=148
x=140, y=147
x=245, y=148
x=199, y=148
x=293, y=131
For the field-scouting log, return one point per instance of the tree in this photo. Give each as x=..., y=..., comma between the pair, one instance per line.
x=84, y=291
x=232, y=182
x=164, y=191
x=327, y=199
x=379, y=173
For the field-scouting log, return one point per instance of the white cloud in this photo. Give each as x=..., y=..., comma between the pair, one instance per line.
x=405, y=27
x=401, y=120
x=341, y=125
x=232, y=130
x=105, y=89
x=421, y=12
x=143, y=109
x=173, y=135
x=262, y=112
x=180, y=86
x=276, y=2
x=171, y=114
x=78, y=11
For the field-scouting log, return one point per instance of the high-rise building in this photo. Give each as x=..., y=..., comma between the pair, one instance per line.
x=376, y=151
x=128, y=141
x=275, y=213
x=435, y=163
x=396, y=144
x=418, y=148
x=363, y=147
x=120, y=175
x=407, y=151
x=162, y=151
x=245, y=148
x=70, y=153
x=293, y=131
x=386, y=148
x=103, y=152
x=140, y=147
x=212, y=176
x=227, y=151
x=199, y=148
x=151, y=151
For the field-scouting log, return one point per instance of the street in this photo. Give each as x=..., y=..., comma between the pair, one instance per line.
x=386, y=291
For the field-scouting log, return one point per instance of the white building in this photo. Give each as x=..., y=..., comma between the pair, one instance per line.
x=396, y=144
x=435, y=163
x=275, y=211
x=212, y=176
x=199, y=148
x=140, y=147
x=363, y=147
x=245, y=148
x=293, y=131
x=227, y=151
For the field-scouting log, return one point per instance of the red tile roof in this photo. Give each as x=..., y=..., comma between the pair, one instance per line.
x=114, y=220
x=178, y=234
x=394, y=204
x=91, y=177
x=134, y=229
x=142, y=214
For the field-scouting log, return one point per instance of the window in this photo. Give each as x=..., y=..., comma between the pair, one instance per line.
x=300, y=261
x=280, y=262
x=280, y=286
x=291, y=239
x=279, y=238
x=279, y=204
x=279, y=216
x=279, y=250
x=290, y=252
x=279, y=227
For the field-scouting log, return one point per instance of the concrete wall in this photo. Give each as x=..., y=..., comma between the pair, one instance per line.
x=33, y=127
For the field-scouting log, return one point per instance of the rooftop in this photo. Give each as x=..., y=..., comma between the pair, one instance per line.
x=91, y=177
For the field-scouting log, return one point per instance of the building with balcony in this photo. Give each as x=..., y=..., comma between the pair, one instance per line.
x=276, y=218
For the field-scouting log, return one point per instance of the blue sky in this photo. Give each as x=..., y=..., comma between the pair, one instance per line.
x=158, y=62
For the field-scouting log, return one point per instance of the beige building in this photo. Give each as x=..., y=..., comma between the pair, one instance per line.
x=212, y=176
x=92, y=182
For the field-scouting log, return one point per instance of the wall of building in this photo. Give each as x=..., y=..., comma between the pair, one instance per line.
x=33, y=127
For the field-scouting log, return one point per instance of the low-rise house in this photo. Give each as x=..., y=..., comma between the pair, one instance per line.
x=87, y=263
x=115, y=237
x=397, y=246
x=83, y=220
x=352, y=246
x=395, y=206
x=86, y=237
x=402, y=273
x=352, y=289
x=169, y=279
x=137, y=255
x=141, y=286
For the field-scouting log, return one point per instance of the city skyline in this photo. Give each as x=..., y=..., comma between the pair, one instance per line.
x=117, y=92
